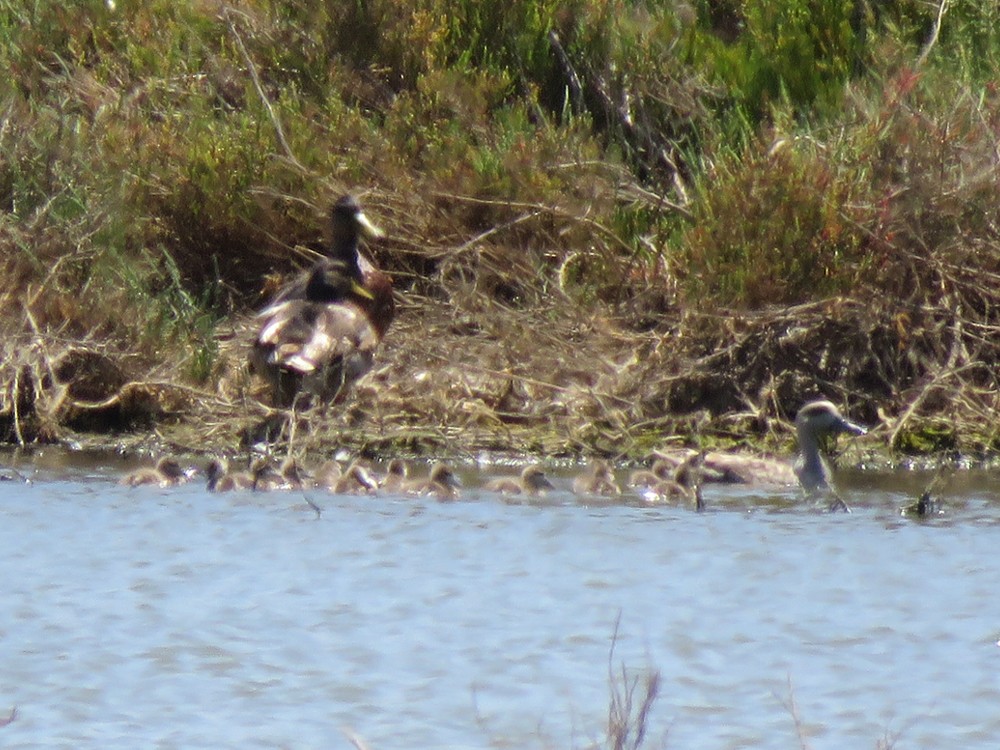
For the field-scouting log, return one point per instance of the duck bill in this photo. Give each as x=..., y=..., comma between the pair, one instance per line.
x=368, y=229
x=852, y=428
x=360, y=291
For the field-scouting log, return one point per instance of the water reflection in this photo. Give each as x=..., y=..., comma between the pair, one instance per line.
x=177, y=618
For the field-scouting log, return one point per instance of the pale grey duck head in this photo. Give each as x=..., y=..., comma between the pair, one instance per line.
x=815, y=419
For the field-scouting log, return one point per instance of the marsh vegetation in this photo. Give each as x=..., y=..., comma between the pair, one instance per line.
x=608, y=221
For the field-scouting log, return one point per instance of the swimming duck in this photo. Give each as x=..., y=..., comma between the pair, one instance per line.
x=809, y=471
x=319, y=344
x=441, y=483
x=328, y=474
x=532, y=481
x=220, y=479
x=396, y=475
x=357, y=480
x=662, y=468
x=167, y=473
x=680, y=482
x=265, y=476
x=288, y=476
x=599, y=479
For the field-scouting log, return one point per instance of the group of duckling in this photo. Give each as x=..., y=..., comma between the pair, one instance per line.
x=671, y=477
x=664, y=480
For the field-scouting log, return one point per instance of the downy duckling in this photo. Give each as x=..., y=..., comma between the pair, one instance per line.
x=441, y=483
x=532, y=481
x=167, y=473
x=599, y=479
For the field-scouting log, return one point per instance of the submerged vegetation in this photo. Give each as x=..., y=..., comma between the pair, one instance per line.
x=609, y=221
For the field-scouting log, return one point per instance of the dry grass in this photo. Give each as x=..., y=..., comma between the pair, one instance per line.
x=596, y=276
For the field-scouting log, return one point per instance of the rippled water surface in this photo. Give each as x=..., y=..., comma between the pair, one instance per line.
x=179, y=619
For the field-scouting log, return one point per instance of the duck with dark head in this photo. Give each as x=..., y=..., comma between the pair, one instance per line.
x=348, y=224
x=320, y=332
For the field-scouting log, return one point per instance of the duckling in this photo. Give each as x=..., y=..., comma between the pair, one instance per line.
x=328, y=474
x=683, y=483
x=220, y=479
x=167, y=473
x=599, y=479
x=532, y=481
x=666, y=490
x=265, y=476
x=357, y=480
x=318, y=345
x=396, y=475
x=441, y=483
x=662, y=468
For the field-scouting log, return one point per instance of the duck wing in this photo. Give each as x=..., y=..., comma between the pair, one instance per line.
x=307, y=336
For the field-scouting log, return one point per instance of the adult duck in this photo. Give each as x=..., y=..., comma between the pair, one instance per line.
x=318, y=344
x=348, y=224
x=813, y=421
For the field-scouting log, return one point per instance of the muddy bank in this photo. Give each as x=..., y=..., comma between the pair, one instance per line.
x=457, y=377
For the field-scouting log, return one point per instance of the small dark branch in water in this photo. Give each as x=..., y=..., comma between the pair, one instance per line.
x=927, y=504
x=9, y=719
x=838, y=504
x=316, y=509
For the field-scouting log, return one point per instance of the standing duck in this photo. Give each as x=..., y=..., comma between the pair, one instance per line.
x=319, y=344
x=348, y=224
x=357, y=308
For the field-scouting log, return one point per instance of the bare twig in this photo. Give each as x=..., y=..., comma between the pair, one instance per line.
x=935, y=31
x=275, y=121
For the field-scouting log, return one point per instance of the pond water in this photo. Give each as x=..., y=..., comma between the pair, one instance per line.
x=139, y=617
